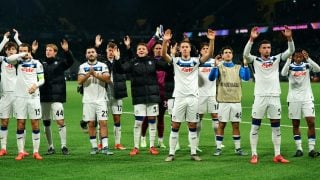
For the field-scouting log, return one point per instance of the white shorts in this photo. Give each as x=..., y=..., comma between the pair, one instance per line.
x=96, y=110
x=170, y=103
x=6, y=105
x=186, y=109
x=269, y=104
x=24, y=107
x=52, y=110
x=297, y=108
x=115, y=105
x=208, y=104
x=229, y=112
x=151, y=109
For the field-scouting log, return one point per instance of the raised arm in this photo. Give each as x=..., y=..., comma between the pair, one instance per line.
x=69, y=56
x=153, y=40
x=288, y=34
x=210, y=35
x=16, y=37
x=246, y=53
x=13, y=59
x=166, y=38
x=5, y=40
x=314, y=65
x=285, y=69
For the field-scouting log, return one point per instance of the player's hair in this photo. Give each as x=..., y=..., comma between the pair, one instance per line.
x=298, y=50
x=111, y=45
x=203, y=44
x=10, y=44
x=264, y=42
x=224, y=48
x=91, y=47
x=158, y=42
x=142, y=44
x=26, y=45
x=53, y=46
x=185, y=41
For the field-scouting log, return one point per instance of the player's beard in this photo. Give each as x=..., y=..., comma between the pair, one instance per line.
x=92, y=60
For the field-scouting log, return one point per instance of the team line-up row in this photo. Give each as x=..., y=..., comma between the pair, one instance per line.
x=160, y=78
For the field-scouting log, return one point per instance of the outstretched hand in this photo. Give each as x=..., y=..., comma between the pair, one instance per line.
x=6, y=35
x=16, y=33
x=34, y=46
x=167, y=35
x=65, y=45
x=254, y=33
x=98, y=40
x=211, y=34
x=305, y=54
x=217, y=60
x=287, y=32
x=127, y=41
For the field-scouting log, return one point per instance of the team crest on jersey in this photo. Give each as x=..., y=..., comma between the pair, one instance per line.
x=55, y=62
x=149, y=62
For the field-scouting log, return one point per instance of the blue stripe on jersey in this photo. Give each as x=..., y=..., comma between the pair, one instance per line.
x=95, y=68
x=206, y=64
x=29, y=65
x=299, y=67
x=270, y=60
x=186, y=63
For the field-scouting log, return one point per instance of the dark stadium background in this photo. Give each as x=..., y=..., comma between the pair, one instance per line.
x=79, y=21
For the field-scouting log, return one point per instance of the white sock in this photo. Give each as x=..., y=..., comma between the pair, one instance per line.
x=152, y=133
x=104, y=142
x=192, y=136
x=219, y=140
x=20, y=142
x=36, y=140
x=117, y=134
x=93, y=141
x=160, y=140
x=136, y=133
x=254, y=136
x=298, y=142
x=63, y=135
x=3, y=138
x=276, y=139
x=236, y=140
x=215, y=125
x=173, y=140
x=311, y=143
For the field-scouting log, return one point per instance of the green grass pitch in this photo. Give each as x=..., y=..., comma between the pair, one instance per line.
x=81, y=165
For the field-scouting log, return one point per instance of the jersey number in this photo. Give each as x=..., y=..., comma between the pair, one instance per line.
x=37, y=111
x=59, y=113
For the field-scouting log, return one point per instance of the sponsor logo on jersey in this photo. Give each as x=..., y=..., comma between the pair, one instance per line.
x=205, y=70
x=299, y=73
x=187, y=69
x=27, y=69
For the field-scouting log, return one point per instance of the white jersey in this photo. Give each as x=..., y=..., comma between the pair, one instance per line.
x=93, y=89
x=186, y=74
x=266, y=74
x=27, y=75
x=299, y=80
x=206, y=87
x=8, y=76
